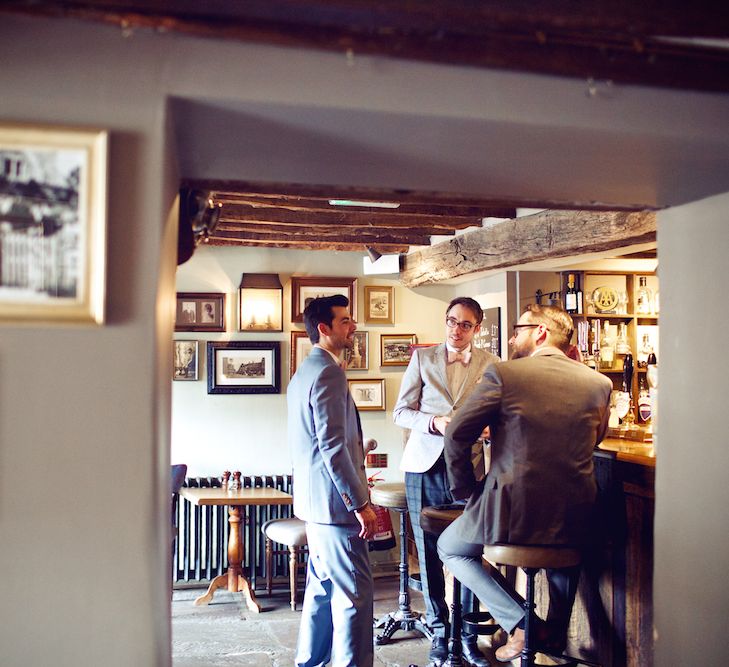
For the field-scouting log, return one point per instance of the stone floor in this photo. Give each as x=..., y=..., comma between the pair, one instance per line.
x=225, y=634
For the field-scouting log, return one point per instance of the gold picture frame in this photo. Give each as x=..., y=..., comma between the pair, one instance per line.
x=379, y=304
x=53, y=199
x=368, y=394
x=396, y=349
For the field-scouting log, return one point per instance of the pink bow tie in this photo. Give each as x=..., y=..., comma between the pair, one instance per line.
x=463, y=357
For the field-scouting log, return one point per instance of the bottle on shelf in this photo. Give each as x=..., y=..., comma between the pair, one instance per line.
x=656, y=303
x=570, y=297
x=643, y=298
x=622, y=346
x=594, y=358
x=607, y=349
x=646, y=349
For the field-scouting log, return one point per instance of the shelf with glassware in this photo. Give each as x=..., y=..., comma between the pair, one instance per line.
x=616, y=321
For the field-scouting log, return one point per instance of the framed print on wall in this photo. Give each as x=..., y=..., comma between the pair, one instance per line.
x=242, y=367
x=53, y=184
x=305, y=289
x=300, y=348
x=185, y=357
x=368, y=394
x=395, y=349
x=379, y=304
x=200, y=311
x=357, y=359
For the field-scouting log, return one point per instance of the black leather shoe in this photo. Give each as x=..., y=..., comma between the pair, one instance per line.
x=472, y=653
x=438, y=650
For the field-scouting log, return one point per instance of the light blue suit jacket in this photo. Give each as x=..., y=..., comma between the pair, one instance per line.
x=325, y=440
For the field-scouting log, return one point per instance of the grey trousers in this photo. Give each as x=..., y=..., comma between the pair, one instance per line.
x=336, y=620
x=464, y=560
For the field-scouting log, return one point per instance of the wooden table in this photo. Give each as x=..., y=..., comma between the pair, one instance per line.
x=234, y=578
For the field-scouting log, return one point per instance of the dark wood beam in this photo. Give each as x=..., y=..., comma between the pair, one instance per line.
x=615, y=40
x=360, y=237
x=337, y=246
x=545, y=235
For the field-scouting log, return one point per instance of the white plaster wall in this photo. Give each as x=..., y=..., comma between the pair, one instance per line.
x=212, y=433
x=691, y=593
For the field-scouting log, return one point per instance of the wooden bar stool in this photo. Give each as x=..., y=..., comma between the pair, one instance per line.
x=392, y=496
x=532, y=559
x=292, y=533
x=435, y=520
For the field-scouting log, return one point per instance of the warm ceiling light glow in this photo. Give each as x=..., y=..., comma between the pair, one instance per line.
x=368, y=204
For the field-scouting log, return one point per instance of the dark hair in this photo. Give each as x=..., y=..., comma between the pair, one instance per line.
x=319, y=311
x=557, y=320
x=467, y=302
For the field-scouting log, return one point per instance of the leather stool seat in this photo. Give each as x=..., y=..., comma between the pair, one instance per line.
x=390, y=495
x=437, y=518
x=292, y=533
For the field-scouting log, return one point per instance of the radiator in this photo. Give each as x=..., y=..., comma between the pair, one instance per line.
x=201, y=544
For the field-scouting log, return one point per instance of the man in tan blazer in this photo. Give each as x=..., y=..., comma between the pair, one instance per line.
x=546, y=414
x=436, y=383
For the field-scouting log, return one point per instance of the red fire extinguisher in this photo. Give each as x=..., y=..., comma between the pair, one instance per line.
x=384, y=537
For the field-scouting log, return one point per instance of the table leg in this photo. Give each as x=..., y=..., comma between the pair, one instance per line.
x=234, y=579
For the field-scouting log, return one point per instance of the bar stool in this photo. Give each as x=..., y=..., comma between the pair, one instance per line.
x=435, y=520
x=392, y=496
x=532, y=559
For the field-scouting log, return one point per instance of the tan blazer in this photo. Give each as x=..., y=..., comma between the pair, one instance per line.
x=547, y=413
x=424, y=392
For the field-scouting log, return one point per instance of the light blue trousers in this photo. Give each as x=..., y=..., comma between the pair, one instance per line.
x=337, y=616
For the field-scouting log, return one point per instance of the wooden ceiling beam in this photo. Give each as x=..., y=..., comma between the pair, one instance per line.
x=341, y=217
x=337, y=246
x=545, y=235
x=361, y=238
x=419, y=232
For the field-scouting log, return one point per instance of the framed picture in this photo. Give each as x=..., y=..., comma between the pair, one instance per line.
x=242, y=367
x=185, y=359
x=52, y=224
x=395, y=349
x=303, y=290
x=200, y=311
x=357, y=359
x=300, y=348
x=379, y=304
x=368, y=394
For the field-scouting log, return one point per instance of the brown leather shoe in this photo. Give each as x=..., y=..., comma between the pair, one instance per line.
x=512, y=649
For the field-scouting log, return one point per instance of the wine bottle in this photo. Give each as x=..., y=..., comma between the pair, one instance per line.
x=644, y=298
x=607, y=349
x=570, y=297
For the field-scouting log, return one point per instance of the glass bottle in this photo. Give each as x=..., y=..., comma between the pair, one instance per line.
x=643, y=298
x=570, y=296
x=645, y=350
x=594, y=359
x=622, y=346
x=656, y=303
x=607, y=349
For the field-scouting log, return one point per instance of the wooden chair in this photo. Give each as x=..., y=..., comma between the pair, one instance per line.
x=292, y=533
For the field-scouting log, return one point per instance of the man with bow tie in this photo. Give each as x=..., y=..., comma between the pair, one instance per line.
x=437, y=381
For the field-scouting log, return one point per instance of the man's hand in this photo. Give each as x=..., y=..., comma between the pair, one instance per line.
x=440, y=423
x=367, y=520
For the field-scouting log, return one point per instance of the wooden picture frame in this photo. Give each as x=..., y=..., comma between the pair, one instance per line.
x=53, y=200
x=379, y=304
x=395, y=349
x=358, y=358
x=185, y=360
x=300, y=348
x=304, y=289
x=243, y=367
x=368, y=394
x=200, y=311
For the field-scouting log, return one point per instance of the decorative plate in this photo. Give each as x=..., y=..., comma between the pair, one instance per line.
x=605, y=299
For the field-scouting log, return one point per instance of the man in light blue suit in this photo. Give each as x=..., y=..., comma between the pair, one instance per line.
x=331, y=495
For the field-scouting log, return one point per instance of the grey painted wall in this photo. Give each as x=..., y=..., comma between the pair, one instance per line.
x=84, y=413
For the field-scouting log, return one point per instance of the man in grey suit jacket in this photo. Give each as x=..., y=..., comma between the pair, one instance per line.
x=436, y=383
x=546, y=414
x=331, y=495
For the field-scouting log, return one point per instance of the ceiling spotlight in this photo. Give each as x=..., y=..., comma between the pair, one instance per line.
x=373, y=254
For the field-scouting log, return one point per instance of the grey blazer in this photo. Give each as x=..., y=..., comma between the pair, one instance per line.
x=424, y=392
x=325, y=440
x=547, y=413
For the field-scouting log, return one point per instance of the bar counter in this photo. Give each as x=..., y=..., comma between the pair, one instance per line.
x=612, y=621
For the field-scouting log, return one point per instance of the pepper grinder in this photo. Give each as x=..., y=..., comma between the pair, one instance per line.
x=225, y=482
x=236, y=481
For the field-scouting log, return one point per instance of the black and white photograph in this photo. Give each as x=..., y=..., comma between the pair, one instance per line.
x=200, y=311
x=368, y=394
x=185, y=357
x=379, y=304
x=303, y=290
x=395, y=349
x=357, y=359
x=52, y=224
x=242, y=367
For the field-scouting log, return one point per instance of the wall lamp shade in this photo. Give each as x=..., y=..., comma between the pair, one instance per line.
x=260, y=302
x=373, y=254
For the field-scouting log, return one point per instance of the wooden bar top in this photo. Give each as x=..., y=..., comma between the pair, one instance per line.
x=249, y=496
x=642, y=453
